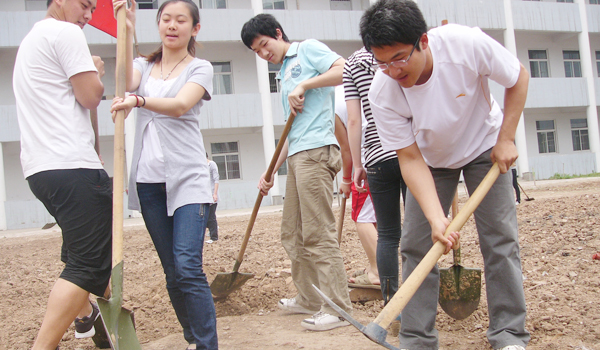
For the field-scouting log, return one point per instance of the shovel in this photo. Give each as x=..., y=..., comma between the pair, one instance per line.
x=118, y=321
x=376, y=330
x=226, y=283
x=527, y=199
x=460, y=287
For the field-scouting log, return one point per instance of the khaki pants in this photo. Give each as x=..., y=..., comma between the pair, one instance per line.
x=308, y=231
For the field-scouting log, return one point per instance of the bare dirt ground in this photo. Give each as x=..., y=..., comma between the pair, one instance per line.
x=559, y=233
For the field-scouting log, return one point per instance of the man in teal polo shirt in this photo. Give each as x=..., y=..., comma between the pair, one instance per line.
x=308, y=73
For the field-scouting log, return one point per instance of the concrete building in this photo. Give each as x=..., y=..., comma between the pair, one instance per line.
x=557, y=40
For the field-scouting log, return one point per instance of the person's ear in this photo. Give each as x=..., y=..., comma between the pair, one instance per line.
x=196, y=30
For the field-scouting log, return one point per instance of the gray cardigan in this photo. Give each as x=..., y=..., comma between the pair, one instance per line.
x=188, y=179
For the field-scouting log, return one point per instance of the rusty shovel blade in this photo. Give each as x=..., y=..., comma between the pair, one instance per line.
x=226, y=283
x=460, y=289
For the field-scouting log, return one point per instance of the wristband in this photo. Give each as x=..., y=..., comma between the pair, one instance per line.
x=143, y=99
x=137, y=100
x=346, y=178
x=347, y=183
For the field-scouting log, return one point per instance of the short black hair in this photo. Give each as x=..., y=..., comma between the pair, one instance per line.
x=261, y=24
x=390, y=22
x=49, y=3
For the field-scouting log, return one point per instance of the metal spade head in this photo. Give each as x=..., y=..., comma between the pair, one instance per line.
x=460, y=289
x=226, y=283
x=118, y=323
x=373, y=331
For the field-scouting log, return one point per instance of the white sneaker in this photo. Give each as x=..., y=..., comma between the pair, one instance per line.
x=512, y=347
x=323, y=322
x=209, y=241
x=292, y=306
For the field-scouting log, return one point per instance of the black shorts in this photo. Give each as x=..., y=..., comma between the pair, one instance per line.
x=81, y=202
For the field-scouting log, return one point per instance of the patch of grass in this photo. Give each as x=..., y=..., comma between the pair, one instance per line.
x=558, y=176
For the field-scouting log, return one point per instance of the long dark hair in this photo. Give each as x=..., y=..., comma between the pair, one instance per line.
x=194, y=12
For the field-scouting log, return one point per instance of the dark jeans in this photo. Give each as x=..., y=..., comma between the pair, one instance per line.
x=211, y=225
x=178, y=240
x=386, y=185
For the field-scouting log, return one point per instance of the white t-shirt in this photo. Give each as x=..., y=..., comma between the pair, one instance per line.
x=56, y=132
x=342, y=111
x=453, y=117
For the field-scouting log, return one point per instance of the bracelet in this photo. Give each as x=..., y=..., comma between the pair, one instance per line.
x=346, y=178
x=137, y=100
x=144, y=99
x=347, y=183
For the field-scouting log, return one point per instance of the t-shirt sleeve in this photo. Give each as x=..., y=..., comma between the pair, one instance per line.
x=319, y=55
x=140, y=64
x=202, y=74
x=73, y=52
x=391, y=113
x=214, y=172
x=494, y=60
x=350, y=88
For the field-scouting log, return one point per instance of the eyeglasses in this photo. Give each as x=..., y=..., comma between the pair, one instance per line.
x=396, y=63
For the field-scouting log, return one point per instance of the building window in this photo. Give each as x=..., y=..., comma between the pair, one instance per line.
x=274, y=83
x=283, y=168
x=598, y=62
x=594, y=2
x=222, y=79
x=538, y=64
x=572, y=64
x=570, y=1
x=274, y=4
x=546, y=135
x=36, y=5
x=213, y=4
x=227, y=157
x=341, y=5
x=147, y=4
x=579, y=133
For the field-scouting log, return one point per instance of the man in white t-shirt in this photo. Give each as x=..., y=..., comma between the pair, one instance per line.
x=56, y=82
x=432, y=104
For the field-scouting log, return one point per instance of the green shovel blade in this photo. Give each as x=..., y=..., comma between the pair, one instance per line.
x=118, y=321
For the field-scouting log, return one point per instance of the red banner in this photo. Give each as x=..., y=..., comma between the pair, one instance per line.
x=104, y=18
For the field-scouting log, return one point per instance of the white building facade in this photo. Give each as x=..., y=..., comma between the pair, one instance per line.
x=558, y=41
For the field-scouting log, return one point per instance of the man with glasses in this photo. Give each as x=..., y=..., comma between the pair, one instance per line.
x=432, y=104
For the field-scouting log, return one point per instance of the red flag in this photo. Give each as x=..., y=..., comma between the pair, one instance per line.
x=104, y=18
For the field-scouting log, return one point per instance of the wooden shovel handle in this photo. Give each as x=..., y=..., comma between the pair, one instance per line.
x=412, y=283
x=119, y=146
x=268, y=174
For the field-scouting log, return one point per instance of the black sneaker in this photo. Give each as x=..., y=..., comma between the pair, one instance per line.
x=84, y=327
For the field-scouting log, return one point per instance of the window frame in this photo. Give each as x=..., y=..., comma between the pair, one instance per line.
x=535, y=64
x=598, y=61
x=582, y=139
x=573, y=63
x=272, y=3
x=214, y=2
x=217, y=78
x=224, y=172
x=542, y=137
x=147, y=4
x=273, y=81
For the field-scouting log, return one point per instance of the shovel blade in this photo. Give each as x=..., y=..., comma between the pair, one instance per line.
x=460, y=290
x=227, y=283
x=118, y=323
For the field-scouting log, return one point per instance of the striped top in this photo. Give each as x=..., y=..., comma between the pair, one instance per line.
x=358, y=74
